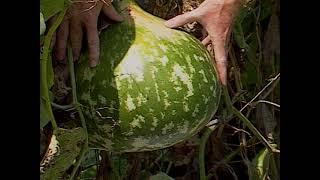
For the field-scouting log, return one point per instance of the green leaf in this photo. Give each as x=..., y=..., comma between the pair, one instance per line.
x=70, y=142
x=251, y=52
x=42, y=24
x=91, y=158
x=274, y=171
x=266, y=9
x=249, y=77
x=242, y=15
x=44, y=89
x=161, y=176
x=50, y=7
x=260, y=165
x=248, y=22
x=239, y=36
x=238, y=29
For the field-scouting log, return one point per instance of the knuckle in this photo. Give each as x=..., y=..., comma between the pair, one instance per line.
x=93, y=43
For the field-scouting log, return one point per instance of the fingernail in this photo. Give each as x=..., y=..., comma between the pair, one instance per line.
x=93, y=63
x=59, y=59
x=63, y=61
x=75, y=58
x=60, y=56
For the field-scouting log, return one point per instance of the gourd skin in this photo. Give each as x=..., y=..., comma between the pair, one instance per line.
x=154, y=86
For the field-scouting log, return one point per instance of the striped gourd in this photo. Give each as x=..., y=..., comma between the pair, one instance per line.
x=154, y=86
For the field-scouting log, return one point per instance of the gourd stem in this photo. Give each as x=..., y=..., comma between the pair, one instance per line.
x=62, y=107
x=44, y=89
x=78, y=107
x=203, y=141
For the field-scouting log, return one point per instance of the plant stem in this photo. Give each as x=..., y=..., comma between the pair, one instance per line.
x=268, y=102
x=275, y=83
x=245, y=121
x=227, y=99
x=236, y=71
x=257, y=28
x=203, y=141
x=169, y=167
x=78, y=107
x=262, y=90
x=62, y=107
x=44, y=89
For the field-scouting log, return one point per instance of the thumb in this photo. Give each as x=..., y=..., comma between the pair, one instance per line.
x=181, y=20
x=206, y=40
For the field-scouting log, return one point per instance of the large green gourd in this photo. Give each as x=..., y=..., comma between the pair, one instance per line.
x=154, y=86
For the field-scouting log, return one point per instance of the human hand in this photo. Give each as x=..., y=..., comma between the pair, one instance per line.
x=216, y=17
x=82, y=16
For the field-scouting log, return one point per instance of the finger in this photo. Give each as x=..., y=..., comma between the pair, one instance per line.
x=76, y=38
x=221, y=60
x=61, y=41
x=93, y=43
x=222, y=71
x=53, y=40
x=181, y=20
x=50, y=22
x=218, y=38
x=111, y=13
x=206, y=41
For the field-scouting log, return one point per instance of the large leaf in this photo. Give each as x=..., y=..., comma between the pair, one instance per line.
x=50, y=7
x=70, y=142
